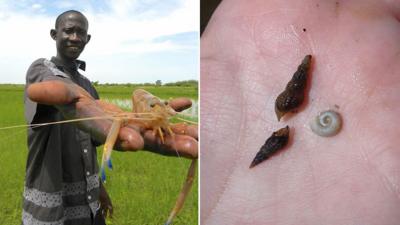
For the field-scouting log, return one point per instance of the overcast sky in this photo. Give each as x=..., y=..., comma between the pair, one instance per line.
x=133, y=41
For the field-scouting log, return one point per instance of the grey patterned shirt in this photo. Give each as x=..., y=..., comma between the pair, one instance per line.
x=61, y=183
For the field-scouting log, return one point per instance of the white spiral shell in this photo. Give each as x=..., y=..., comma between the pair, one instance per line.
x=326, y=124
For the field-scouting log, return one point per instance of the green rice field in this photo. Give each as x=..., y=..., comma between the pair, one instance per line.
x=143, y=186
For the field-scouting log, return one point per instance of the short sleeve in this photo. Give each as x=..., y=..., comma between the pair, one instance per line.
x=40, y=70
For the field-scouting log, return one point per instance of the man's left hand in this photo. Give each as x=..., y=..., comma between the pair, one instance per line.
x=106, y=207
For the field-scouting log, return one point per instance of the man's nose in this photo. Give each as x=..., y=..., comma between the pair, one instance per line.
x=74, y=37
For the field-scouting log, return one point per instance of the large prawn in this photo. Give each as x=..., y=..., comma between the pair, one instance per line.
x=149, y=113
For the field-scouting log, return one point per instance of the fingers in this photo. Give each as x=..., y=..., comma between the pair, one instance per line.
x=107, y=210
x=180, y=104
x=111, y=210
x=130, y=139
x=183, y=143
x=183, y=128
x=176, y=145
x=106, y=207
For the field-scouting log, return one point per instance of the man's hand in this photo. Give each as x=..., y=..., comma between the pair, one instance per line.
x=75, y=103
x=184, y=142
x=106, y=207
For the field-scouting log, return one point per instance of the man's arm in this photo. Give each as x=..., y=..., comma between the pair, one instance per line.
x=74, y=102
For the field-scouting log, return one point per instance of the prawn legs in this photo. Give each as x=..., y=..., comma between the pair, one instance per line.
x=152, y=114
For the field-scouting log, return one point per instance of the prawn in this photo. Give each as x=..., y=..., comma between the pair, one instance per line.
x=151, y=113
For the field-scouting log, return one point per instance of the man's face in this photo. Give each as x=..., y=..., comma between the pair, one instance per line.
x=71, y=36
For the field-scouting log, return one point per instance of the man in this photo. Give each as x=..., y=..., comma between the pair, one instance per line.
x=62, y=184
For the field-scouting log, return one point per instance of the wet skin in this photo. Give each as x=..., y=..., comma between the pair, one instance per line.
x=249, y=51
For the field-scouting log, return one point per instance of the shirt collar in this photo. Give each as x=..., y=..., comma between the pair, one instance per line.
x=75, y=65
x=81, y=64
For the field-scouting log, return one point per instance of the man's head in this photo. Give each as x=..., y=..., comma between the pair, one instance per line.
x=70, y=34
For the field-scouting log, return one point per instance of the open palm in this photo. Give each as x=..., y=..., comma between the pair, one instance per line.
x=250, y=50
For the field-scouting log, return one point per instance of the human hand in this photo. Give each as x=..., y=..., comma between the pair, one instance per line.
x=106, y=207
x=250, y=51
x=135, y=134
x=75, y=103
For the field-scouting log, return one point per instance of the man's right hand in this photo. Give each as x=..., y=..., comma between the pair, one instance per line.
x=75, y=103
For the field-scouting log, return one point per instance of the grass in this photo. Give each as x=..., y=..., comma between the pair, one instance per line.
x=143, y=186
x=160, y=91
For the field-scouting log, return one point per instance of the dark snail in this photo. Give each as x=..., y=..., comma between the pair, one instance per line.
x=293, y=95
x=277, y=141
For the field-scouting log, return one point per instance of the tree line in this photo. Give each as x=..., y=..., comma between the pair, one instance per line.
x=184, y=83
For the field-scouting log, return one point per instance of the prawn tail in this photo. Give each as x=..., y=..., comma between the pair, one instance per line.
x=108, y=147
x=103, y=174
x=104, y=164
x=109, y=164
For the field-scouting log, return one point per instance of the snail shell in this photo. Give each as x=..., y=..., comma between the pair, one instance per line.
x=326, y=124
x=293, y=95
x=277, y=141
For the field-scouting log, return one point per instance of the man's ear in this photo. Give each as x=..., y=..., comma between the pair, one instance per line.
x=53, y=34
x=88, y=38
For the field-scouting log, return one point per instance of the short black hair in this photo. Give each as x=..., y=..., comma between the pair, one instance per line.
x=59, y=17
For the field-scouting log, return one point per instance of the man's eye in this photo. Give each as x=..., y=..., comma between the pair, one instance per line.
x=82, y=32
